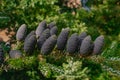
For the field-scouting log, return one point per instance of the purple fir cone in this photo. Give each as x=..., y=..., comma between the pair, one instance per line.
x=44, y=36
x=51, y=25
x=29, y=35
x=72, y=44
x=86, y=46
x=42, y=26
x=29, y=45
x=98, y=45
x=53, y=31
x=62, y=39
x=80, y=38
x=15, y=54
x=21, y=33
x=49, y=45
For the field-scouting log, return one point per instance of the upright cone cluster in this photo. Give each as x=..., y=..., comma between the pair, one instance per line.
x=45, y=39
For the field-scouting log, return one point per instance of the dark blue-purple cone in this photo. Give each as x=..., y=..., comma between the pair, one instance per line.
x=29, y=45
x=15, y=54
x=62, y=39
x=53, y=31
x=51, y=25
x=1, y=55
x=41, y=27
x=21, y=33
x=85, y=47
x=80, y=39
x=72, y=44
x=98, y=45
x=30, y=34
x=49, y=45
x=44, y=36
